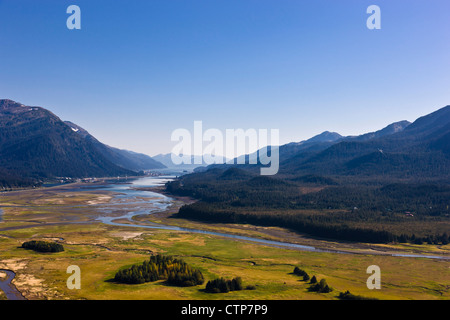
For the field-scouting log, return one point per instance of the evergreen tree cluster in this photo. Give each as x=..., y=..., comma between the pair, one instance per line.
x=350, y=296
x=429, y=239
x=320, y=287
x=316, y=286
x=301, y=273
x=175, y=271
x=43, y=246
x=221, y=285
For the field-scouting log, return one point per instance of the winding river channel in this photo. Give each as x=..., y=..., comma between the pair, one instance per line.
x=7, y=287
x=138, y=200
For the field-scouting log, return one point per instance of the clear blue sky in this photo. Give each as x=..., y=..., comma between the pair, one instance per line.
x=137, y=70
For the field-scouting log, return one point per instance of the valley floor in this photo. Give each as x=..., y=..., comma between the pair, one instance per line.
x=68, y=217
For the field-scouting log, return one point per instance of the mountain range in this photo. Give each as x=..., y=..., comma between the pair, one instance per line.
x=402, y=150
x=419, y=150
x=36, y=145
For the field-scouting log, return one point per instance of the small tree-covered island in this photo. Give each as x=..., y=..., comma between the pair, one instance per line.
x=43, y=246
x=175, y=271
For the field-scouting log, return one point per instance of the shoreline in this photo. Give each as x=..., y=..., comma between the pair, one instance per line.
x=101, y=180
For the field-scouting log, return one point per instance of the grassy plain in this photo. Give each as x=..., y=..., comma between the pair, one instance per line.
x=100, y=250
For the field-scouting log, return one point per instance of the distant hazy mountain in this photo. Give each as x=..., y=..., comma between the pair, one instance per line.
x=36, y=144
x=166, y=159
x=123, y=158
